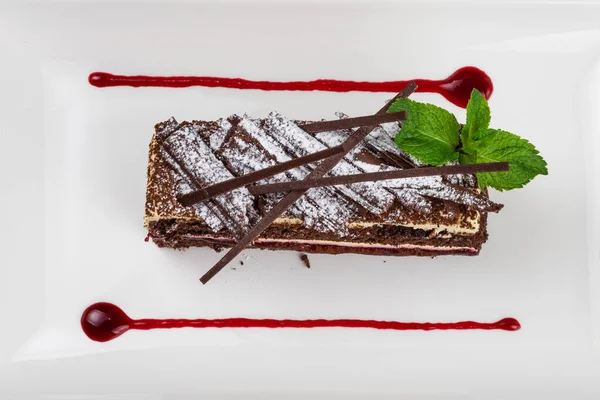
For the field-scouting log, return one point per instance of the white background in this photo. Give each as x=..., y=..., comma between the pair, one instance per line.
x=73, y=180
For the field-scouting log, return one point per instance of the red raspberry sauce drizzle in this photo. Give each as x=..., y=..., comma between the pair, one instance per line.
x=456, y=88
x=103, y=322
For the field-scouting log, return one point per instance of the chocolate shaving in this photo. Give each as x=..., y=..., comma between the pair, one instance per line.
x=356, y=122
x=378, y=176
x=324, y=167
x=305, y=260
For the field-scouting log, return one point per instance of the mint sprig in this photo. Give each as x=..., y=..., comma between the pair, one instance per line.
x=433, y=136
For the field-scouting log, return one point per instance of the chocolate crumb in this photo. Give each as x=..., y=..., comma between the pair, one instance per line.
x=241, y=262
x=305, y=260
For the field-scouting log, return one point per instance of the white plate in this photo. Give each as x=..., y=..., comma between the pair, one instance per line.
x=73, y=182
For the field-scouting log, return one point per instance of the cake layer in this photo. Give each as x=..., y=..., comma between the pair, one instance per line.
x=325, y=247
x=383, y=239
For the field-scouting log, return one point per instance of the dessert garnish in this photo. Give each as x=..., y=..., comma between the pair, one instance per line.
x=433, y=136
x=456, y=88
x=103, y=322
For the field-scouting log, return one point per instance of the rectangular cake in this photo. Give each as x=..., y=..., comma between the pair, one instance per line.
x=424, y=216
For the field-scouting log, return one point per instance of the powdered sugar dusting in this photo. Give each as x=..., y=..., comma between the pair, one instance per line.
x=214, y=133
x=410, y=199
x=298, y=142
x=165, y=128
x=244, y=155
x=316, y=207
x=413, y=199
x=185, y=150
x=205, y=210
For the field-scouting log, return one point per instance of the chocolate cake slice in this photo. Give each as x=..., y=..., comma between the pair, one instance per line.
x=425, y=216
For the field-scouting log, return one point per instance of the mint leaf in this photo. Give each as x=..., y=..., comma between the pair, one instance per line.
x=429, y=133
x=478, y=119
x=498, y=145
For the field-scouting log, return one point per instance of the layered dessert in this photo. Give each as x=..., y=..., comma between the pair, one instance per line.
x=424, y=216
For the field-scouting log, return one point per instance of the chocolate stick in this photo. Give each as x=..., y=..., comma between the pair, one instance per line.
x=378, y=176
x=234, y=183
x=356, y=122
x=324, y=167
